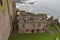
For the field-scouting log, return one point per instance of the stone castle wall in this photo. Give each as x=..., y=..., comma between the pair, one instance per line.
x=32, y=23
x=5, y=19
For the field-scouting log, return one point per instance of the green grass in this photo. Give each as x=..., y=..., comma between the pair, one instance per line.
x=58, y=26
x=36, y=36
x=51, y=28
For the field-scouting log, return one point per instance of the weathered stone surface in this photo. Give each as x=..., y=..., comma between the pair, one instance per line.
x=32, y=23
x=56, y=21
x=50, y=20
x=5, y=19
x=4, y=26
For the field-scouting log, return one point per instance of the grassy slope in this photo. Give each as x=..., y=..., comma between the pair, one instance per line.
x=51, y=28
x=37, y=36
x=58, y=26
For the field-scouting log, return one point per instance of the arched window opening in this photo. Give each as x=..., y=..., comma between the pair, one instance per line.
x=41, y=18
x=38, y=30
x=26, y=18
x=43, y=29
x=31, y=18
x=27, y=30
x=32, y=30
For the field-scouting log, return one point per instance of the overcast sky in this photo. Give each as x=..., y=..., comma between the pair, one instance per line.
x=51, y=7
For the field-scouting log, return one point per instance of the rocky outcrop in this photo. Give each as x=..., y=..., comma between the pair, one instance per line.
x=50, y=20
x=54, y=23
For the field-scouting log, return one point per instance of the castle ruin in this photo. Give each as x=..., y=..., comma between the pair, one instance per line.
x=32, y=23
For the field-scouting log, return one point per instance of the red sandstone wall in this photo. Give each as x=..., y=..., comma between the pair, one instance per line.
x=29, y=22
x=4, y=26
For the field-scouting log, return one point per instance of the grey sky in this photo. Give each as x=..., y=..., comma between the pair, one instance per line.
x=51, y=7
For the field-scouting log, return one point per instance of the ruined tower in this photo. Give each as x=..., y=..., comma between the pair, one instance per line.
x=6, y=12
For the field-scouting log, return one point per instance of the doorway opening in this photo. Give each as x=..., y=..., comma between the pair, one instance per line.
x=32, y=30
x=38, y=30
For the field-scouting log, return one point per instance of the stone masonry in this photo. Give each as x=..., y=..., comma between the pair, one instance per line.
x=6, y=11
x=32, y=23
